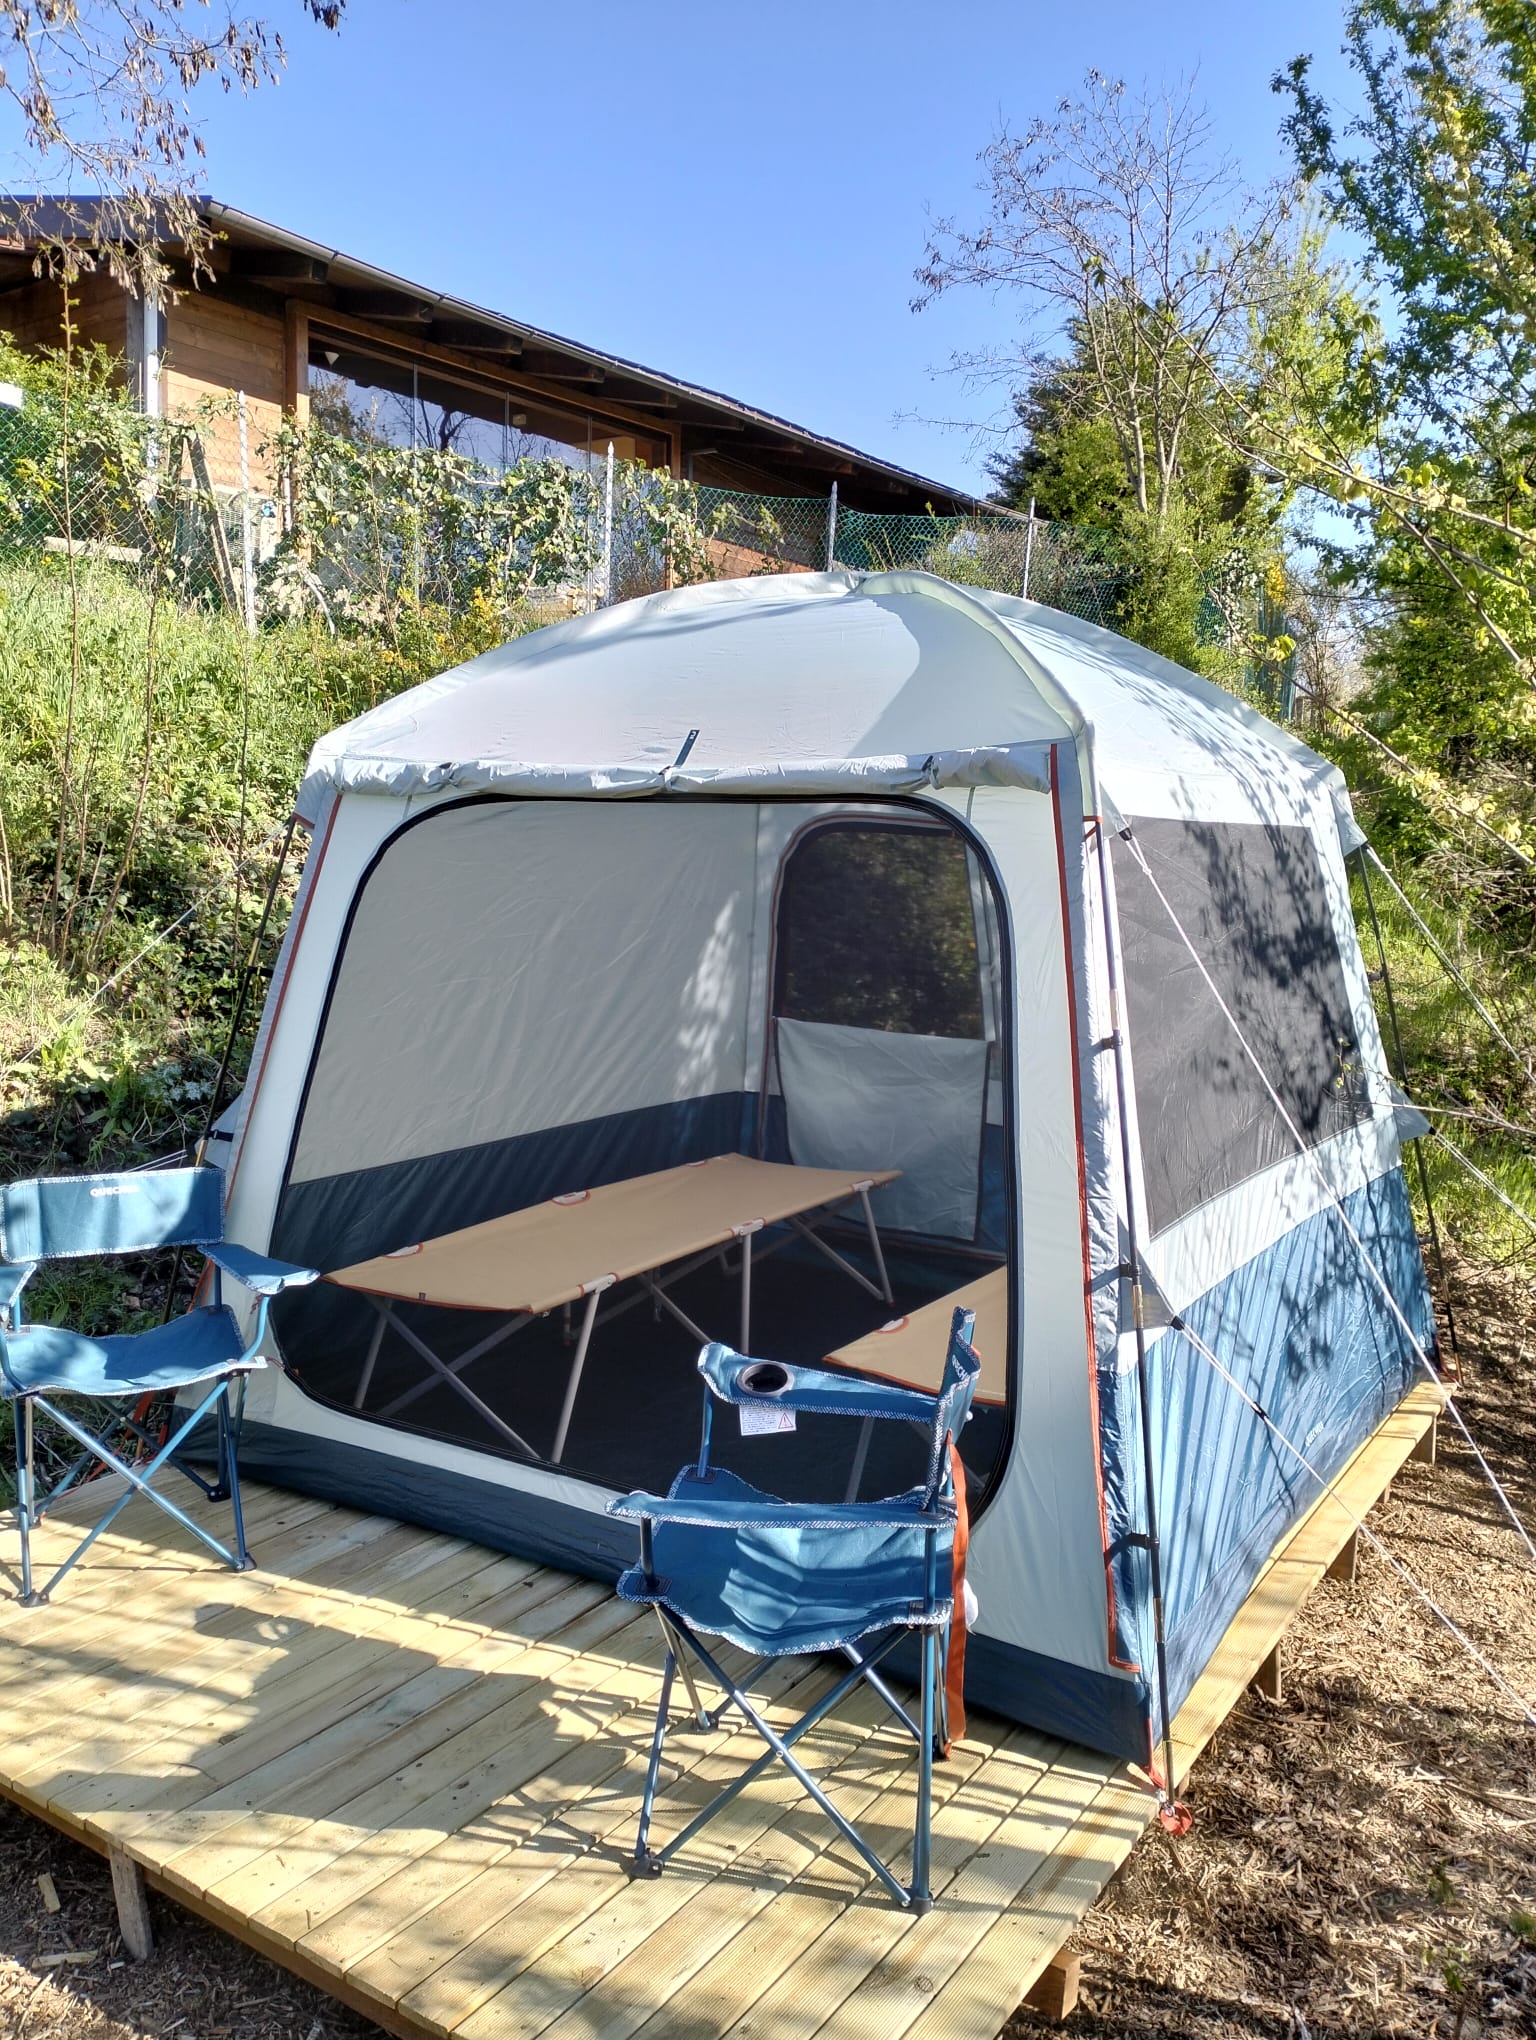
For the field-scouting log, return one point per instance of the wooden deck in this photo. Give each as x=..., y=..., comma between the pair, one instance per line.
x=407, y=1768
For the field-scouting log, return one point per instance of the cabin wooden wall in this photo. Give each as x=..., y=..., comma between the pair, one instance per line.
x=34, y=316
x=212, y=349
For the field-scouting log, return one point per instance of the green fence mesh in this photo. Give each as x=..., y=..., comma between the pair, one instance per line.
x=358, y=530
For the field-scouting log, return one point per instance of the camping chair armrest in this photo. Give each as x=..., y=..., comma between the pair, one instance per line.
x=810, y=1389
x=14, y=1277
x=263, y=1277
x=705, y=1514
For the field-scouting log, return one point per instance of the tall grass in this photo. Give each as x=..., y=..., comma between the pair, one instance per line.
x=186, y=739
x=1482, y=1098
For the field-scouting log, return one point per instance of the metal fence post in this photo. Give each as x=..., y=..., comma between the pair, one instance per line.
x=608, y=529
x=832, y=529
x=247, y=560
x=1029, y=548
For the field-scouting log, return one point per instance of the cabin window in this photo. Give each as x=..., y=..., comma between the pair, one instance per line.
x=374, y=397
x=883, y=991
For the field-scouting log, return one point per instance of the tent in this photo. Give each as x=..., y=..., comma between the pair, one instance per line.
x=1042, y=940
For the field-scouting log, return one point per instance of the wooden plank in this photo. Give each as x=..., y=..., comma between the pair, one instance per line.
x=178, y=1811
x=801, y=1855
x=142, y=1721
x=529, y=1902
x=1023, y=1936
x=326, y=1811
x=612, y=1763
x=1007, y=1856
x=585, y=1922
x=858, y=1941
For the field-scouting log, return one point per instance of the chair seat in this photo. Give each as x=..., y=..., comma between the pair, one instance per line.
x=196, y=1347
x=791, y=1591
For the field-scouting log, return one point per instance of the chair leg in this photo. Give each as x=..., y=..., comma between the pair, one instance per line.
x=920, y=1894
x=879, y=1685
x=26, y=1492
x=231, y=1417
x=780, y=1747
x=701, y=1714
x=643, y=1863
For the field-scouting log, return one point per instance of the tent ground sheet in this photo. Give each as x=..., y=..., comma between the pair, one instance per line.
x=408, y=1768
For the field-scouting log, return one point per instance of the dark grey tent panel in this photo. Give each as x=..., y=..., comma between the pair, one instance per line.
x=1251, y=897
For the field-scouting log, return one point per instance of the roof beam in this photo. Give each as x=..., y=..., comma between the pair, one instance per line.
x=388, y=307
x=277, y=265
x=797, y=456
x=562, y=368
x=469, y=337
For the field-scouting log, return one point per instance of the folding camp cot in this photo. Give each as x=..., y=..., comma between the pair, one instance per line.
x=552, y=1255
x=909, y=1351
x=904, y=1351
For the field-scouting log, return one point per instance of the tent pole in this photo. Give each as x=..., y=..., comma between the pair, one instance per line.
x=1131, y=1273
x=1364, y=864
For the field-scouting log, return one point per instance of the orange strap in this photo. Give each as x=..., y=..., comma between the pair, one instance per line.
x=954, y=1663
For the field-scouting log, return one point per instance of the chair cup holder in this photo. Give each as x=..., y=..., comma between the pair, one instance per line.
x=763, y=1377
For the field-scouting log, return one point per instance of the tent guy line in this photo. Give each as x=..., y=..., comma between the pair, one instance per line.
x=1510, y=1692
x=1336, y=1202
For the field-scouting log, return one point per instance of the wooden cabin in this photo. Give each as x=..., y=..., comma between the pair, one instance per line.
x=301, y=328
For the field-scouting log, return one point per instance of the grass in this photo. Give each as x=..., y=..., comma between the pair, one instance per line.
x=1473, y=1090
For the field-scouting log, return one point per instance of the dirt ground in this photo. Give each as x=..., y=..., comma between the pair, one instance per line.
x=1362, y=1860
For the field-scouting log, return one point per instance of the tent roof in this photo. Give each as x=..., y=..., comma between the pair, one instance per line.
x=811, y=683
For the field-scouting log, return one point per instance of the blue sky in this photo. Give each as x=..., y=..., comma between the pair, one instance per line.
x=734, y=195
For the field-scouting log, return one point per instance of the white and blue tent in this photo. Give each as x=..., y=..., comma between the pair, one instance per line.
x=872, y=872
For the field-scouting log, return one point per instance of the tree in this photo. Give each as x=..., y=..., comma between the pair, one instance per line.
x=1433, y=177
x=1140, y=267
x=100, y=88
x=1125, y=234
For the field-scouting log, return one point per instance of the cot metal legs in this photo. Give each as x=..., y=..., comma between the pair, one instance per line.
x=578, y=1362
x=682, y=1641
x=882, y=1289
x=874, y=1245
x=365, y=1379
x=445, y=1371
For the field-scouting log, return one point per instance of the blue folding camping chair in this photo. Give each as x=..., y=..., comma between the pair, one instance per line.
x=782, y=1579
x=66, y=1217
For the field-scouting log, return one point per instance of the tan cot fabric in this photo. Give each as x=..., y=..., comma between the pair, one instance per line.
x=552, y=1253
x=910, y=1350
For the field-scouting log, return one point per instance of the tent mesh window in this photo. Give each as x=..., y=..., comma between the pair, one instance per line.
x=876, y=928
x=1251, y=898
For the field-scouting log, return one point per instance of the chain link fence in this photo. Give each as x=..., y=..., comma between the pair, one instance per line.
x=288, y=520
